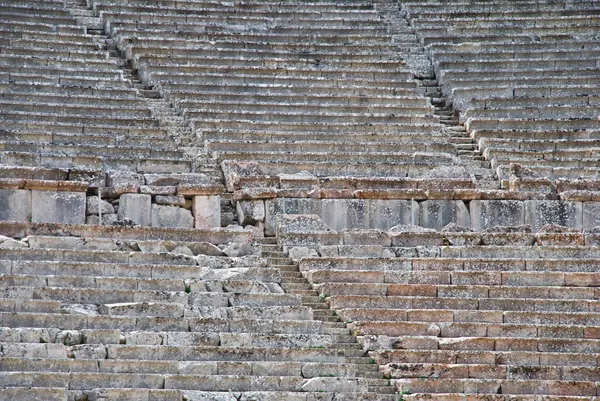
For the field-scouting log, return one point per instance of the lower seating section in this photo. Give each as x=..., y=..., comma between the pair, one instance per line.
x=504, y=314
x=113, y=314
x=313, y=87
x=522, y=75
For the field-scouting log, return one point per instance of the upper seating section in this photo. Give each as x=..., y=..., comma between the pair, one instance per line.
x=74, y=118
x=68, y=104
x=523, y=75
x=316, y=87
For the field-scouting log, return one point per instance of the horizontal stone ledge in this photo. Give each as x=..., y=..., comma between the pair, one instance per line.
x=43, y=185
x=465, y=194
x=214, y=236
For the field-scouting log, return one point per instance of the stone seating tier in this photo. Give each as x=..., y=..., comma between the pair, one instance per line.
x=516, y=56
x=463, y=320
x=118, y=313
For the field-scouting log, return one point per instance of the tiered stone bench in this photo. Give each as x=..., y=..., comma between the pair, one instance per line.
x=241, y=201
x=522, y=75
x=75, y=123
x=458, y=314
x=162, y=314
x=315, y=87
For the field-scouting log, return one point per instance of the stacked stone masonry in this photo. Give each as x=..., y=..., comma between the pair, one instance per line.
x=322, y=200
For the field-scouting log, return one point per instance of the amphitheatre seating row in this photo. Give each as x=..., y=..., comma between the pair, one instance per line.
x=523, y=75
x=460, y=315
x=282, y=83
x=170, y=314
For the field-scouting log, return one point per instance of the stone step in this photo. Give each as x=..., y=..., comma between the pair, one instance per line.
x=89, y=381
x=192, y=83
x=255, y=368
x=20, y=393
x=551, y=387
x=468, y=357
x=318, y=126
x=229, y=146
x=482, y=371
x=108, y=329
x=413, y=140
x=482, y=397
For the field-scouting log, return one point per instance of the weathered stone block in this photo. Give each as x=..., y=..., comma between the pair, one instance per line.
x=490, y=213
x=137, y=208
x=591, y=215
x=93, y=205
x=207, y=211
x=15, y=205
x=58, y=207
x=171, y=216
x=250, y=211
x=438, y=213
x=564, y=213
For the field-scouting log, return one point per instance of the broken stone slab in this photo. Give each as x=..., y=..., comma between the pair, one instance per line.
x=151, y=246
x=58, y=207
x=336, y=385
x=250, y=211
x=158, y=190
x=239, y=250
x=171, y=216
x=554, y=234
x=205, y=248
x=182, y=250
x=93, y=205
x=410, y=228
x=8, y=242
x=366, y=237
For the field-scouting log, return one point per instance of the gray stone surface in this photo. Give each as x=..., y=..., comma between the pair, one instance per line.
x=591, y=215
x=58, y=207
x=171, y=216
x=346, y=213
x=489, y=213
x=541, y=212
x=137, y=208
x=439, y=213
x=250, y=211
x=93, y=205
x=15, y=205
x=207, y=211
